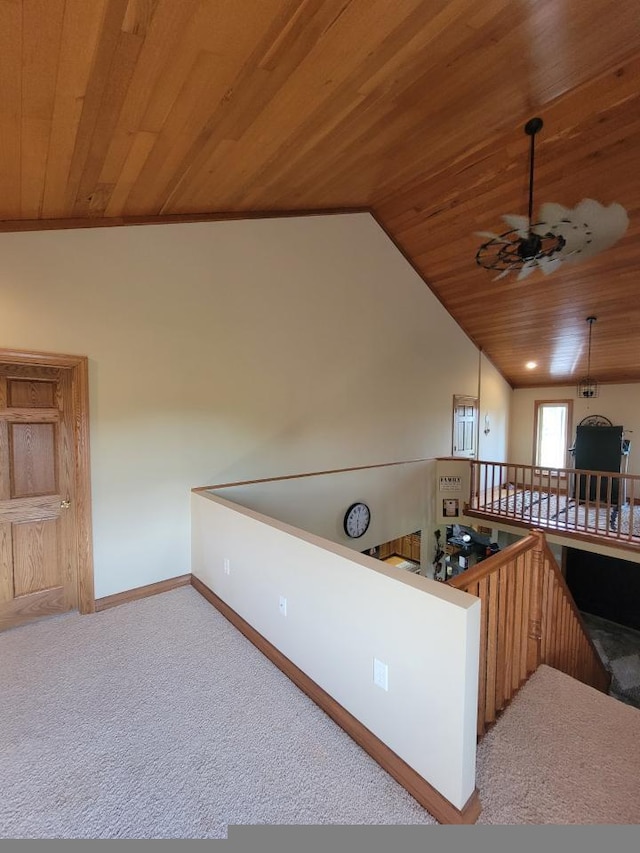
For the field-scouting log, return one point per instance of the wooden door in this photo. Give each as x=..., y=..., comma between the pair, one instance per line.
x=465, y=421
x=39, y=530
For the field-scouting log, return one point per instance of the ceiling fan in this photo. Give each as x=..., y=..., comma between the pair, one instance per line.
x=559, y=233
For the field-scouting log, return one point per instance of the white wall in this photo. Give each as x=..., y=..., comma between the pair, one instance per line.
x=619, y=403
x=229, y=351
x=344, y=609
x=495, y=404
x=400, y=498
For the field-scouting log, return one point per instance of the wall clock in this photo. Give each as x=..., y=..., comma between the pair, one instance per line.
x=356, y=520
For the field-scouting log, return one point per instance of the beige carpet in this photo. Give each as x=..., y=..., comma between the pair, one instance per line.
x=561, y=753
x=157, y=719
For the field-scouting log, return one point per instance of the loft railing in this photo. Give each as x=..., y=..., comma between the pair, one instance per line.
x=564, y=500
x=528, y=617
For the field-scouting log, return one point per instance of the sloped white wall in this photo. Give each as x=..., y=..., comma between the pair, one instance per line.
x=228, y=351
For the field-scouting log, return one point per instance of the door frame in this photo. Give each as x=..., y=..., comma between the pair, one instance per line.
x=78, y=371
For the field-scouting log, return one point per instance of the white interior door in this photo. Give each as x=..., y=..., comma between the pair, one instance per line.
x=465, y=426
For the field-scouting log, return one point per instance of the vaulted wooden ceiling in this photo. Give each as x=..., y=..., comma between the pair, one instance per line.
x=119, y=110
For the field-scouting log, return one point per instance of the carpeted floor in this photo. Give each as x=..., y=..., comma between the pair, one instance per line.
x=157, y=719
x=562, y=753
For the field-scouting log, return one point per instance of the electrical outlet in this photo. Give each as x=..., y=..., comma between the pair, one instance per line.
x=380, y=674
x=227, y=566
x=282, y=606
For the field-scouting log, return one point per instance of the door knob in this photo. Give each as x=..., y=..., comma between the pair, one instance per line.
x=65, y=504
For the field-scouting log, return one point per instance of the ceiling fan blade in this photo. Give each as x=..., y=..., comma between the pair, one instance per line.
x=504, y=273
x=488, y=234
x=549, y=265
x=551, y=212
x=587, y=229
x=607, y=225
x=527, y=269
x=517, y=223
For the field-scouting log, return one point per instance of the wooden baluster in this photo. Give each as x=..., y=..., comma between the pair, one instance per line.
x=587, y=502
x=516, y=677
x=545, y=624
x=483, y=592
x=474, y=502
x=492, y=643
x=526, y=604
x=509, y=629
x=560, y=664
x=549, y=496
x=598, y=490
x=556, y=626
x=502, y=629
x=570, y=624
x=492, y=488
x=535, y=604
x=572, y=647
x=631, y=498
x=565, y=636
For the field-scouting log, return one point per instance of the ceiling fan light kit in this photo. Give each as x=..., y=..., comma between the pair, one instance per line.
x=559, y=234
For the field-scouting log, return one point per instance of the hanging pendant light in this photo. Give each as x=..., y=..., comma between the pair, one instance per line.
x=588, y=387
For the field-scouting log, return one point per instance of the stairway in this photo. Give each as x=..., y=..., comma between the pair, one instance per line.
x=619, y=650
x=561, y=752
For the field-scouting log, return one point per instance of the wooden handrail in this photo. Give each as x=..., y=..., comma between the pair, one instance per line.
x=538, y=469
x=528, y=617
x=492, y=564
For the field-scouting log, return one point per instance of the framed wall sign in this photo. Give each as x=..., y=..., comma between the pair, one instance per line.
x=450, y=507
x=450, y=484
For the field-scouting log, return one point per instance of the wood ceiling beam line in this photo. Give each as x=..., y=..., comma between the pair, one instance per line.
x=16, y=225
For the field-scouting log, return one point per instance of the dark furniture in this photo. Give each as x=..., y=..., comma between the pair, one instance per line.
x=598, y=448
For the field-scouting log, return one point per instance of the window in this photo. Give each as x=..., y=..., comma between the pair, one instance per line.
x=551, y=437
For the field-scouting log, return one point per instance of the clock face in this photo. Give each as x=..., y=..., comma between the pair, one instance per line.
x=356, y=520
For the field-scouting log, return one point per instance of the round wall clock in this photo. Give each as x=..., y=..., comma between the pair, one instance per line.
x=356, y=520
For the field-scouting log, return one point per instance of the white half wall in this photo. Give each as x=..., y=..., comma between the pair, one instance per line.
x=400, y=498
x=342, y=611
x=228, y=351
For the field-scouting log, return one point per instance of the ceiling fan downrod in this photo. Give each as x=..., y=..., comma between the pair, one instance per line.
x=531, y=245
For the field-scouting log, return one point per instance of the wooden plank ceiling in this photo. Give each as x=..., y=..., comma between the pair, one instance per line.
x=413, y=109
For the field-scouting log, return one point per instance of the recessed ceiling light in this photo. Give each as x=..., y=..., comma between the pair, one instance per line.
x=530, y=365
